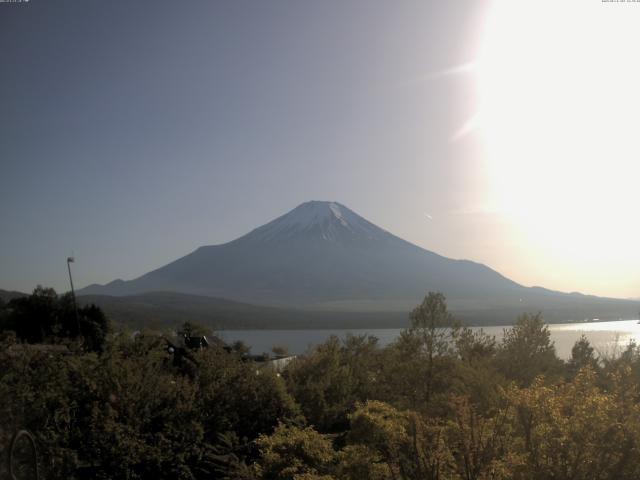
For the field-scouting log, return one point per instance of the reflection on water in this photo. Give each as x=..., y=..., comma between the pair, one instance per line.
x=606, y=337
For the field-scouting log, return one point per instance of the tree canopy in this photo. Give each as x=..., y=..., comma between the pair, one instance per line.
x=439, y=402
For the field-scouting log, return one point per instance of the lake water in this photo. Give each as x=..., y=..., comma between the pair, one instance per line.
x=605, y=337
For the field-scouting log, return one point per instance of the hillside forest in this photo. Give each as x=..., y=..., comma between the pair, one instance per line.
x=441, y=402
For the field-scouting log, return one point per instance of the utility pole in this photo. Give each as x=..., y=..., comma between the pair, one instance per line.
x=70, y=260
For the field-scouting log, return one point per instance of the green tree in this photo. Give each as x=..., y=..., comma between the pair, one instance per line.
x=474, y=346
x=44, y=317
x=337, y=374
x=192, y=329
x=383, y=430
x=359, y=461
x=527, y=351
x=435, y=328
x=406, y=444
x=575, y=430
x=295, y=453
x=238, y=396
x=482, y=447
x=35, y=318
x=582, y=355
x=280, y=350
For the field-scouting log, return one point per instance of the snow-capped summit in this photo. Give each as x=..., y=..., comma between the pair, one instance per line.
x=312, y=213
x=329, y=221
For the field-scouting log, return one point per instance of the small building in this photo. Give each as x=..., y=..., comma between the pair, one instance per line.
x=278, y=363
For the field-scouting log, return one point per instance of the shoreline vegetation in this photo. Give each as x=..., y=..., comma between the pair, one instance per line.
x=161, y=310
x=441, y=401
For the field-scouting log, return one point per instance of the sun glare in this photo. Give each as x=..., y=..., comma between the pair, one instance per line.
x=559, y=108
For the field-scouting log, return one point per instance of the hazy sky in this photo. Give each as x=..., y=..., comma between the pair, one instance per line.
x=132, y=132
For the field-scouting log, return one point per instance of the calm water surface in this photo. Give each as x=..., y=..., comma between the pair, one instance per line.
x=605, y=337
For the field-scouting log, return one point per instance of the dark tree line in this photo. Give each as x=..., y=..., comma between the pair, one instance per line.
x=46, y=317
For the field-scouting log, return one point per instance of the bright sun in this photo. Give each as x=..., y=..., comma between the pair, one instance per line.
x=559, y=112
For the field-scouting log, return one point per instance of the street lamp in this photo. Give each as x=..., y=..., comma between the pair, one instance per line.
x=70, y=260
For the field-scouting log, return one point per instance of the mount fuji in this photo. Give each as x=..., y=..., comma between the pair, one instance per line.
x=323, y=256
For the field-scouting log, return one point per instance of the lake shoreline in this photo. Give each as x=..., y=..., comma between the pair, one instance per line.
x=395, y=326
x=606, y=337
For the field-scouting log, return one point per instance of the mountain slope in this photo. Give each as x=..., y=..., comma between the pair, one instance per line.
x=321, y=255
x=6, y=295
x=319, y=252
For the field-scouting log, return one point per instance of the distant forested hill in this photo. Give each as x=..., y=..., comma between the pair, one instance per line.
x=7, y=295
x=157, y=309
x=161, y=309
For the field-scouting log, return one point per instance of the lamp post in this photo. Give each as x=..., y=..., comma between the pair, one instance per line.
x=70, y=260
